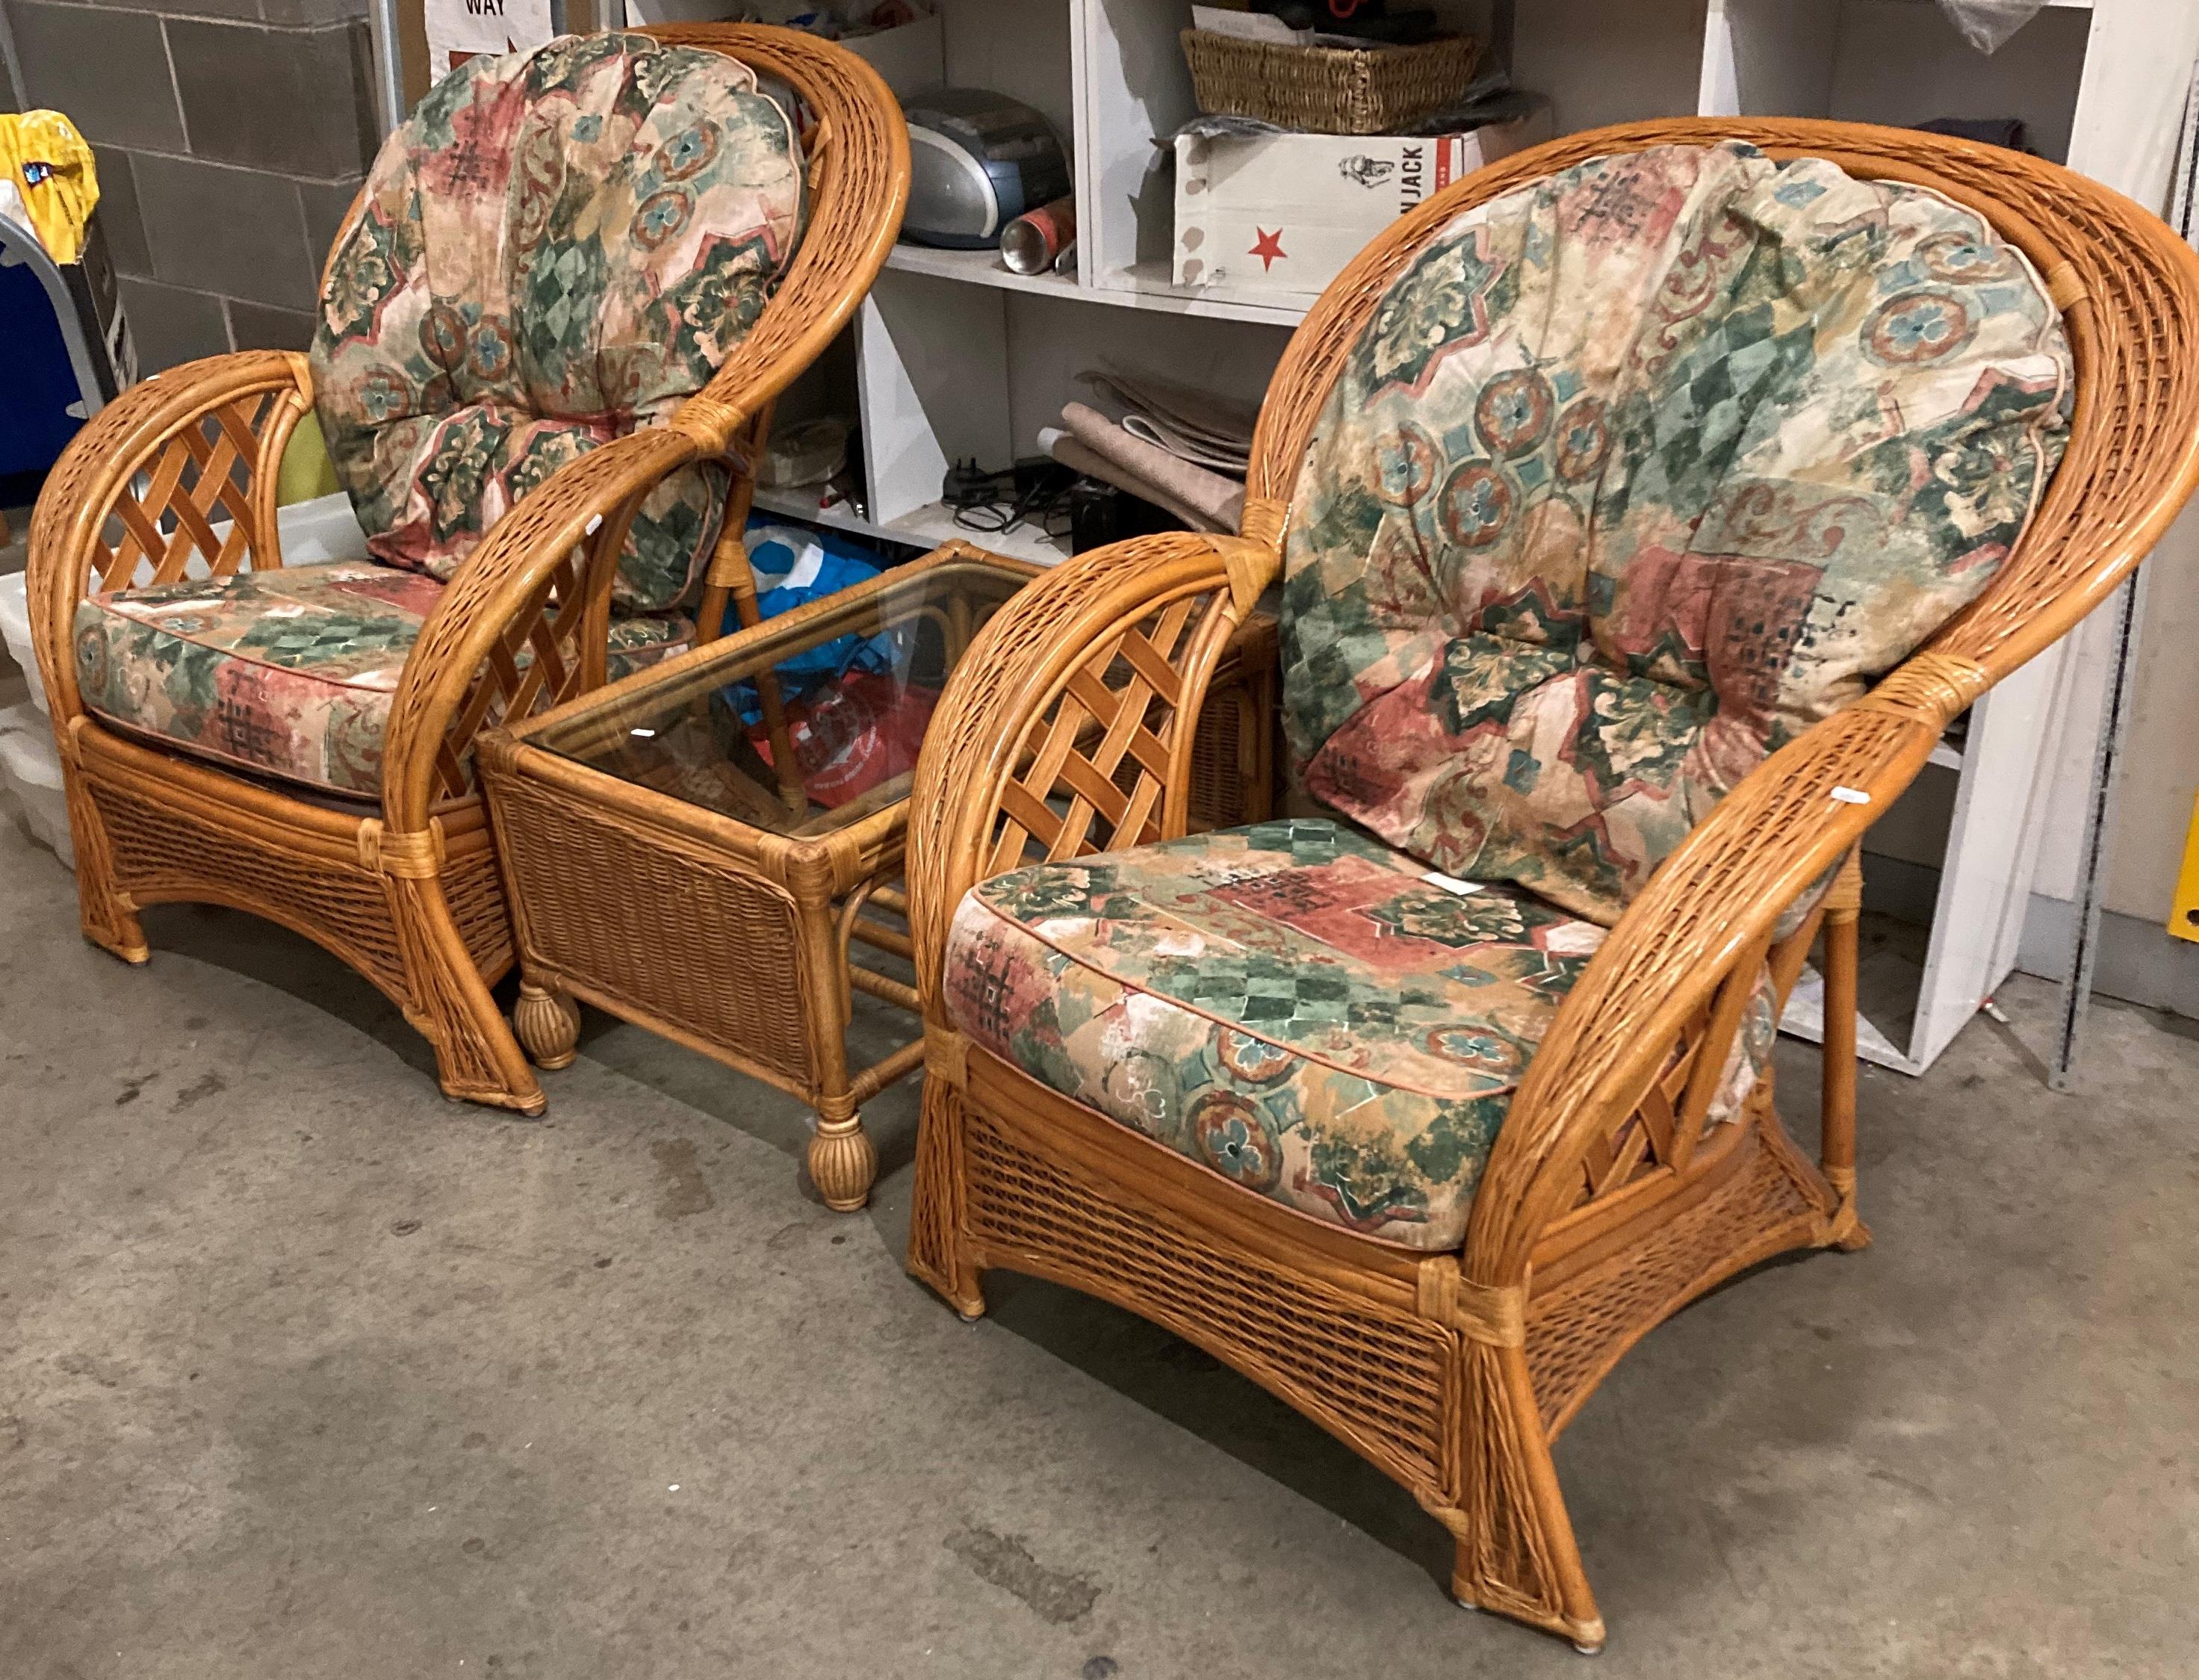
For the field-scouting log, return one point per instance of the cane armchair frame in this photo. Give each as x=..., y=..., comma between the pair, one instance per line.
x=1604, y=1206
x=406, y=890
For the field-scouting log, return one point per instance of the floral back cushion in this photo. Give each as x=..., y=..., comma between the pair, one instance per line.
x=1636, y=473
x=556, y=247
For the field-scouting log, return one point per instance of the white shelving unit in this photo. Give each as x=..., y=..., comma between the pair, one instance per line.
x=954, y=356
x=2098, y=86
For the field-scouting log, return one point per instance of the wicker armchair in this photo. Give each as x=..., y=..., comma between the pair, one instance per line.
x=1606, y=1201
x=403, y=884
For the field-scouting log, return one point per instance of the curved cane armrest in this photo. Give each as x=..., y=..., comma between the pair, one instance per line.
x=1712, y=906
x=189, y=449
x=524, y=624
x=1092, y=677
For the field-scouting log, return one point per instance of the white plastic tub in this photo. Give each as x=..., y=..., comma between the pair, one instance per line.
x=15, y=631
x=31, y=777
x=319, y=532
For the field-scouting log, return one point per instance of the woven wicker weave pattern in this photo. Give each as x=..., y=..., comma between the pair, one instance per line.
x=408, y=895
x=1604, y=1206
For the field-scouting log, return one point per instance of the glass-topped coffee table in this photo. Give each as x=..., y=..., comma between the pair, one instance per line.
x=698, y=847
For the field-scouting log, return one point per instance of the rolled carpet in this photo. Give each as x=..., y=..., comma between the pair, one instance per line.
x=1207, y=500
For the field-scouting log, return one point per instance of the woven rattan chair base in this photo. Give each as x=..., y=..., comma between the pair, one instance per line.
x=1364, y=1338
x=173, y=830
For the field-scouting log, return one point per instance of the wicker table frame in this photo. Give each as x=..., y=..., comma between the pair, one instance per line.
x=1602, y=1211
x=405, y=889
x=735, y=940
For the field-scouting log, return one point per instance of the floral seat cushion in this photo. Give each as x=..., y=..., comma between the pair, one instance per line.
x=1302, y=1010
x=557, y=246
x=1637, y=473
x=288, y=673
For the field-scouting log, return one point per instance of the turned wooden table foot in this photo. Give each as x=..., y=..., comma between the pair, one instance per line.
x=548, y=1023
x=844, y=1163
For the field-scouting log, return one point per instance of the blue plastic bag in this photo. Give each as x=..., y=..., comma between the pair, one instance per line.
x=795, y=565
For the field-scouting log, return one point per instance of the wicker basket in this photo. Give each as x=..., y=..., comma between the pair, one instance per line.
x=1327, y=90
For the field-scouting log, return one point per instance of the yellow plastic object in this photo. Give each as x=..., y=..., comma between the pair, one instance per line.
x=2184, y=919
x=45, y=161
x=307, y=471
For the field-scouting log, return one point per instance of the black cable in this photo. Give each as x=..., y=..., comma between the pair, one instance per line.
x=1046, y=500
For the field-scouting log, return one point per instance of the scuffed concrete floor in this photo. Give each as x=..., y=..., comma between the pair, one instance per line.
x=306, y=1372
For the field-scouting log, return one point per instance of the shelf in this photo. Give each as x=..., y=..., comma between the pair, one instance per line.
x=978, y=268
x=926, y=527
x=1146, y=286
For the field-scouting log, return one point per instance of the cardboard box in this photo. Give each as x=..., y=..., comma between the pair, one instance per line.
x=1283, y=213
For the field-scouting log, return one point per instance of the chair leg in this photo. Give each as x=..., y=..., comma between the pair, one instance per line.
x=104, y=911
x=476, y=1058
x=548, y=1023
x=1836, y=1153
x=1516, y=1553
x=937, y=1254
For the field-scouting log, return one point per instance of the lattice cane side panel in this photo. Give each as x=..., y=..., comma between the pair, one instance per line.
x=1094, y=772
x=551, y=648
x=1681, y=1104
x=200, y=497
x=536, y=661
x=1094, y=662
x=1714, y=901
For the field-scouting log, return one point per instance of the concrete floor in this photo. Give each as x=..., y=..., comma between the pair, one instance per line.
x=306, y=1372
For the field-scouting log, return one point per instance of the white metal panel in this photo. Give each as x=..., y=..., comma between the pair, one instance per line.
x=2130, y=109
x=2015, y=901
x=1132, y=86
x=2000, y=768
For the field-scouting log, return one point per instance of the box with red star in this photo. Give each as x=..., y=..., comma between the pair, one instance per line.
x=1282, y=213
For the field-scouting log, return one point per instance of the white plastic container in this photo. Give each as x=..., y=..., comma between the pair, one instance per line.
x=31, y=777
x=15, y=631
x=319, y=532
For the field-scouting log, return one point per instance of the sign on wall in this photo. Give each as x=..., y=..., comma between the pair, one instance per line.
x=433, y=35
x=458, y=30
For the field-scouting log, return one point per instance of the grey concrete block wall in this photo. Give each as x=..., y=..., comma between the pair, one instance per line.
x=231, y=135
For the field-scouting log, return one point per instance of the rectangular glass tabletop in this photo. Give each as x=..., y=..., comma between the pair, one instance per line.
x=806, y=723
